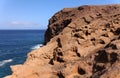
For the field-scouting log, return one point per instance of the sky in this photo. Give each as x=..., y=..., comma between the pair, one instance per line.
x=34, y=14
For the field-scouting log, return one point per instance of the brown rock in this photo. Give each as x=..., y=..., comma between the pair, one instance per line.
x=82, y=42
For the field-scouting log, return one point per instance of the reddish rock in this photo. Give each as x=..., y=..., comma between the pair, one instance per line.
x=82, y=42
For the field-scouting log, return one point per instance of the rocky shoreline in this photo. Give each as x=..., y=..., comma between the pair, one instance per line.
x=81, y=42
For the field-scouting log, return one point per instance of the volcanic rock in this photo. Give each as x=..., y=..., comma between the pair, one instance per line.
x=81, y=42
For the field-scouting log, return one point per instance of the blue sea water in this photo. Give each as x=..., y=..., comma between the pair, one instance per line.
x=14, y=46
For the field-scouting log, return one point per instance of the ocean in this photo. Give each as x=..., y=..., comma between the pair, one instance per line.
x=14, y=46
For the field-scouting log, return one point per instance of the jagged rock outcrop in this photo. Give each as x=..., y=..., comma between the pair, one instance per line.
x=81, y=42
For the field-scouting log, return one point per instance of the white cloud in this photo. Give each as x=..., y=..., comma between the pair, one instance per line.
x=23, y=23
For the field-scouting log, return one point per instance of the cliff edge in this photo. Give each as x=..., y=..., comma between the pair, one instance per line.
x=81, y=42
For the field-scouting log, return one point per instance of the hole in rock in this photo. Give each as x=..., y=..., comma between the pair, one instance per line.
x=60, y=75
x=59, y=42
x=113, y=57
x=113, y=46
x=97, y=68
x=60, y=53
x=117, y=32
x=93, y=39
x=78, y=54
x=102, y=57
x=105, y=35
x=60, y=59
x=51, y=62
x=81, y=71
x=87, y=33
x=107, y=25
x=102, y=42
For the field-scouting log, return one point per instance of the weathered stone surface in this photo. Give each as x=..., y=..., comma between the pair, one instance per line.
x=81, y=42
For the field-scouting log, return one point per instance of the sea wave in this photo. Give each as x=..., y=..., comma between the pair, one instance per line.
x=5, y=61
x=36, y=46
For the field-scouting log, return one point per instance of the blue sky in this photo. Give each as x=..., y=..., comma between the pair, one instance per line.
x=34, y=14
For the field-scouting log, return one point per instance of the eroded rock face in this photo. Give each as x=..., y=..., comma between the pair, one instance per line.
x=81, y=42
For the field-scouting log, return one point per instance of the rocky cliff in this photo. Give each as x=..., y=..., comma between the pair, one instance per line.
x=81, y=42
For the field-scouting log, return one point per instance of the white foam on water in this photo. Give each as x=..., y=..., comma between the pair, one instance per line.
x=5, y=61
x=37, y=46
